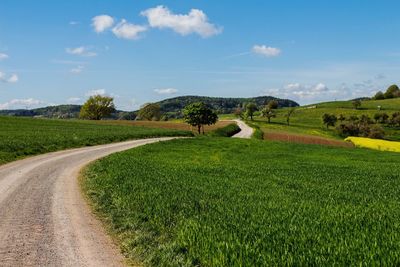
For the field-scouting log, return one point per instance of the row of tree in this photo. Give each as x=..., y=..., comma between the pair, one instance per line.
x=362, y=125
x=393, y=91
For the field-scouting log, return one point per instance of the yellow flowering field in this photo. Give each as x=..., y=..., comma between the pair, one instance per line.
x=378, y=144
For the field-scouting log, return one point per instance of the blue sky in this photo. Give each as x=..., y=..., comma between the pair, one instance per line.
x=54, y=52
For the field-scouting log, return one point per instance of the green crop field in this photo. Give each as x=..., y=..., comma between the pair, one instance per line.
x=308, y=119
x=229, y=202
x=21, y=137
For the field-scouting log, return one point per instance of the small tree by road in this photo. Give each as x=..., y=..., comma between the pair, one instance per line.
x=150, y=112
x=329, y=120
x=97, y=107
x=199, y=114
x=250, y=109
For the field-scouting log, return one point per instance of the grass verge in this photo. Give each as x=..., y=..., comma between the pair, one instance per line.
x=227, y=131
x=231, y=202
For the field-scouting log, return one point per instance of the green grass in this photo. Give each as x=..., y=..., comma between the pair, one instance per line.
x=20, y=137
x=230, y=202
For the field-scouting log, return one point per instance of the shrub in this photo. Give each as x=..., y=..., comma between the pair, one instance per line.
x=329, y=120
x=227, y=131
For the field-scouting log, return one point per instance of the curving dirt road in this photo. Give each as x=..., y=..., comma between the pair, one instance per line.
x=246, y=131
x=44, y=221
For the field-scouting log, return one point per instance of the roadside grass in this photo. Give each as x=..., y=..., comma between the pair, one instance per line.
x=231, y=202
x=20, y=137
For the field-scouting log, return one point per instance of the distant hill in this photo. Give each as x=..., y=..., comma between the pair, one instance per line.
x=222, y=105
x=61, y=112
x=171, y=106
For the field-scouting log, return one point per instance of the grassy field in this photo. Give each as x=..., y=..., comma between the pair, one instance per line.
x=308, y=120
x=175, y=125
x=20, y=137
x=229, y=202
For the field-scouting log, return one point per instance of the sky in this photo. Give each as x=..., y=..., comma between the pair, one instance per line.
x=59, y=52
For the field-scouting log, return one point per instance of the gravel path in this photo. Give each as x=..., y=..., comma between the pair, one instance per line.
x=44, y=220
x=246, y=131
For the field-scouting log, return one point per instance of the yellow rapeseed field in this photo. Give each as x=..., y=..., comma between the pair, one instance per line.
x=378, y=144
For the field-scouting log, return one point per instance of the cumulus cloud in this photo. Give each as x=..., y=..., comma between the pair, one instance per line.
x=166, y=91
x=81, y=51
x=126, y=30
x=3, y=56
x=21, y=103
x=266, y=51
x=77, y=70
x=13, y=78
x=195, y=21
x=102, y=22
x=95, y=92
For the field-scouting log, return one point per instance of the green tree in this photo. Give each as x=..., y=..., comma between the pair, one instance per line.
x=150, y=112
x=379, y=96
x=273, y=104
x=341, y=118
x=250, y=109
x=97, y=107
x=329, y=120
x=289, y=114
x=199, y=114
x=268, y=113
x=356, y=103
x=392, y=91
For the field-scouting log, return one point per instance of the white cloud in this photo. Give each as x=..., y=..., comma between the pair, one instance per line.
x=266, y=51
x=102, y=22
x=96, y=92
x=166, y=91
x=77, y=69
x=3, y=56
x=126, y=30
x=195, y=21
x=13, y=78
x=20, y=103
x=73, y=23
x=73, y=100
x=81, y=51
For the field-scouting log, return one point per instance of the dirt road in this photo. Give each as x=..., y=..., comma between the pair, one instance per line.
x=246, y=131
x=44, y=221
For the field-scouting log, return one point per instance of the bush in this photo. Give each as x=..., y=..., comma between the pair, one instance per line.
x=376, y=132
x=226, y=131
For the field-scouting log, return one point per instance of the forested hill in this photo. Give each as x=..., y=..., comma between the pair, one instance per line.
x=61, y=111
x=221, y=104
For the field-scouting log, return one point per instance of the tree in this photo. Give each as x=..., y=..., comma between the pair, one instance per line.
x=268, y=113
x=289, y=114
x=250, y=109
x=97, y=107
x=329, y=120
x=379, y=96
x=150, y=112
x=356, y=103
x=273, y=104
x=341, y=118
x=199, y=114
x=392, y=91
x=238, y=112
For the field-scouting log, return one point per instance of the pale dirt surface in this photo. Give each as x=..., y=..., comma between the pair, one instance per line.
x=44, y=219
x=245, y=130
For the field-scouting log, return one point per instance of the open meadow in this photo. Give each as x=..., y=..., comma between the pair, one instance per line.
x=228, y=202
x=21, y=137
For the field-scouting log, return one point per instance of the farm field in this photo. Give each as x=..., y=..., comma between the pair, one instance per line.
x=229, y=202
x=308, y=120
x=175, y=124
x=20, y=137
